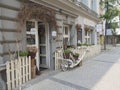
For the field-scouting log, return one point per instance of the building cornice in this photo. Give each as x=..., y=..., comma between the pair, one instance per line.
x=71, y=8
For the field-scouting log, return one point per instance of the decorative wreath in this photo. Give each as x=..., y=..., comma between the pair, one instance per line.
x=30, y=10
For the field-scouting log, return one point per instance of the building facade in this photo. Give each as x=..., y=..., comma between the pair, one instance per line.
x=66, y=22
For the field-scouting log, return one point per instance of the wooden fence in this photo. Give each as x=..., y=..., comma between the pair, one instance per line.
x=58, y=58
x=18, y=72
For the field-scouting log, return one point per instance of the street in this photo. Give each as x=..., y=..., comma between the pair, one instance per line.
x=99, y=73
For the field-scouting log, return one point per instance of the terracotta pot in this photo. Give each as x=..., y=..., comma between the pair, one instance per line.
x=67, y=55
x=76, y=57
x=87, y=28
x=32, y=54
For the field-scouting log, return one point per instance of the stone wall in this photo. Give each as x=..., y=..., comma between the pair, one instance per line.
x=92, y=51
x=8, y=28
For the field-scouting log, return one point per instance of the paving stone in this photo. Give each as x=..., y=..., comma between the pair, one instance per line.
x=99, y=73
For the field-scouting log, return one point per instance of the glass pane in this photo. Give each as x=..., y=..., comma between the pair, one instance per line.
x=66, y=30
x=42, y=40
x=29, y=25
x=30, y=39
x=42, y=50
x=41, y=31
x=42, y=60
x=79, y=36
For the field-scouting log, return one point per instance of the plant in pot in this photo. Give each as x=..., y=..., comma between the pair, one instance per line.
x=79, y=44
x=32, y=52
x=76, y=55
x=23, y=53
x=67, y=53
x=70, y=46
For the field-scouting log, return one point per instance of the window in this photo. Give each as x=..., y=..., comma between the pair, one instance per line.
x=66, y=34
x=94, y=5
x=85, y=2
x=29, y=25
x=30, y=33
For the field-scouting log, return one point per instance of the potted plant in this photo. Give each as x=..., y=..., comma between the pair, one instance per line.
x=67, y=53
x=70, y=46
x=32, y=52
x=79, y=44
x=23, y=53
x=76, y=55
x=78, y=27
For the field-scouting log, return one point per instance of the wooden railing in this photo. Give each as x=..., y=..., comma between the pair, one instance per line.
x=18, y=72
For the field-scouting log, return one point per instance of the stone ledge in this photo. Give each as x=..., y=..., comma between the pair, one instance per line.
x=2, y=67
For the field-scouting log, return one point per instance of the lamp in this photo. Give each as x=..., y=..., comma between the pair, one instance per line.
x=54, y=34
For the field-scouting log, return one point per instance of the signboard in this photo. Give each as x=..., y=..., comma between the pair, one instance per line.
x=99, y=27
x=33, y=29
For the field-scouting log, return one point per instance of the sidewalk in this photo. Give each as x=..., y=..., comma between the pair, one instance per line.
x=99, y=73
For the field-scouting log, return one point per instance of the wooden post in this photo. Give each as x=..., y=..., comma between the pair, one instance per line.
x=8, y=76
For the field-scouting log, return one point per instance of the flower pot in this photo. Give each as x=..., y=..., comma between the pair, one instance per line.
x=32, y=54
x=67, y=55
x=76, y=57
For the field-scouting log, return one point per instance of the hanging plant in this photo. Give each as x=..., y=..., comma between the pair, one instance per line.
x=30, y=10
x=78, y=27
x=87, y=28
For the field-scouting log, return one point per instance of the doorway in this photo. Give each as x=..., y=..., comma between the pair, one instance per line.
x=37, y=34
x=44, y=50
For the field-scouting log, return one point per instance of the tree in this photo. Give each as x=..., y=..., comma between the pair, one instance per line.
x=111, y=11
x=113, y=26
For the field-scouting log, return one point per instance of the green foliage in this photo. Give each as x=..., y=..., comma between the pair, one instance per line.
x=113, y=25
x=79, y=44
x=111, y=10
x=67, y=51
x=70, y=46
x=23, y=53
x=83, y=44
x=76, y=54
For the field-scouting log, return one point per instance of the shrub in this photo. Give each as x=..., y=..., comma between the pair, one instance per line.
x=23, y=53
